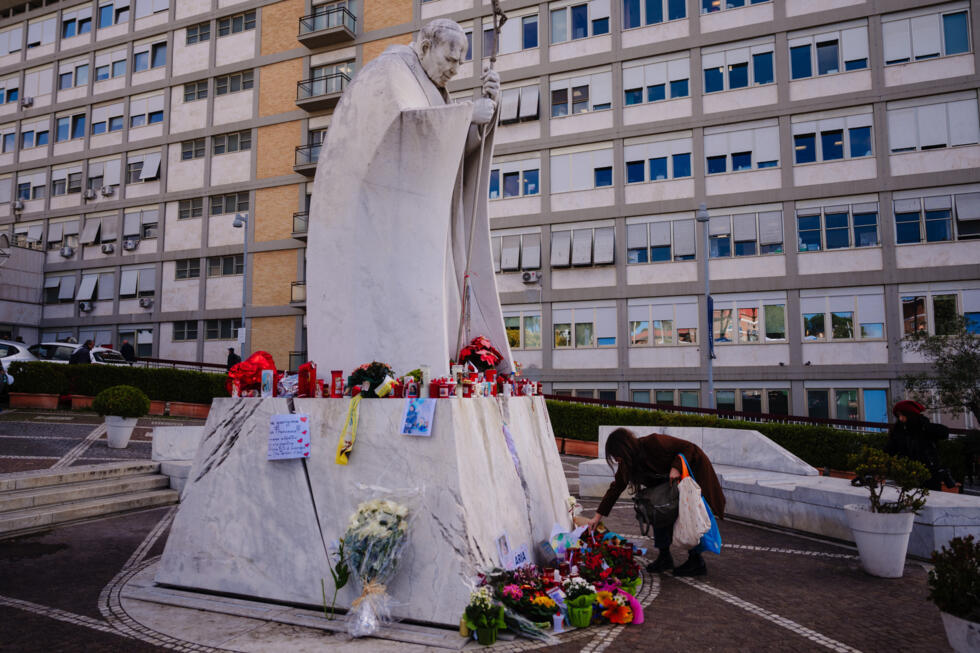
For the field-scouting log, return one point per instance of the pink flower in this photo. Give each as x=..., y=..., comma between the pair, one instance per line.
x=513, y=592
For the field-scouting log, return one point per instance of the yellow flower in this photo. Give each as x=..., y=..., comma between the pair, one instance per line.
x=544, y=601
x=604, y=598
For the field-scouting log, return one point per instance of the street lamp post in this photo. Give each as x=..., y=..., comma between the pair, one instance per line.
x=241, y=222
x=702, y=217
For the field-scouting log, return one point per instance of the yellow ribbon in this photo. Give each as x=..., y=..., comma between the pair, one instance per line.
x=372, y=587
x=346, y=446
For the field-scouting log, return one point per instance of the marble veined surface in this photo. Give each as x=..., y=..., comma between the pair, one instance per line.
x=249, y=526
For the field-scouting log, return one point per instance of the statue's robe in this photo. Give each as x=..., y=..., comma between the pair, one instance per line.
x=390, y=220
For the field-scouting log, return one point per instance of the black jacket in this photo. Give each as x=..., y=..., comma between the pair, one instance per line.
x=916, y=439
x=80, y=356
x=233, y=359
x=128, y=352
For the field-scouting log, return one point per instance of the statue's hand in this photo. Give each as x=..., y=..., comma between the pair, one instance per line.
x=483, y=111
x=491, y=83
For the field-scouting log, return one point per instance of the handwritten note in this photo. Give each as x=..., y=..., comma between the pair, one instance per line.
x=289, y=437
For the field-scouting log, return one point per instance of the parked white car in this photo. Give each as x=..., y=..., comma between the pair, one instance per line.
x=60, y=352
x=14, y=351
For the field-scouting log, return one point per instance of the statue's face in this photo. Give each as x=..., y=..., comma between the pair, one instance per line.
x=441, y=59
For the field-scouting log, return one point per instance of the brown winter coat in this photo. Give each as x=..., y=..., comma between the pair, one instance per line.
x=660, y=453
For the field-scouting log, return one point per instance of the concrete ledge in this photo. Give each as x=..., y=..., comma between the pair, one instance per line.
x=178, y=471
x=176, y=442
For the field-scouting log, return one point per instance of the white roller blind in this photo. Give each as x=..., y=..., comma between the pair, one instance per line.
x=739, y=55
x=683, y=237
x=31, y=85
x=66, y=289
x=720, y=225
x=813, y=305
x=854, y=43
x=531, y=251
x=127, y=282
x=102, y=59
x=686, y=316
x=971, y=301
x=679, y=69
x=131, y=225
x=137, y=107
x=968, y=206
x=937, y=203
x=111, y=173
x=151, y=166
x=926, y=39
x=841, y=304
x=662, y=312
x=71, y=227
x=5, y=186
x=901, y=129
x=907, y=206
x=741, y=141
x=91, y=232
x=510, y=37
x=510, y=253
x=715, y=144
x=52, y=282
x=635, y=152
x=767, y=144
x=561, y=245
x=154, y=103
x=632, y=78
x=713, y=60
x=56, y=232
x=47, y=31
x=561, y=316
x=34, y=32
x=771, y=228
x=147, y=280
x=583, y=171
x=599, y=9
x=109, y=231
x=529, y=102
x=509, y=104
x=87, y=288
x=36, y=231
x=100, y=114
x=604, y=245
x=59, y=175
x=638, y=313
x=744, y=227
x=605, y=322
x=659, y=234
x=963, y=122
x=655, y=73
x=560, y=173
x=931, y=120
x=601, y=88
x=636, y=236
x=495, y=252
x=871, y=309
x=897, y=40
x=582, y=247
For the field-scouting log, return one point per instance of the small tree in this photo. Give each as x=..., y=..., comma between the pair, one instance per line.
x=953, y=383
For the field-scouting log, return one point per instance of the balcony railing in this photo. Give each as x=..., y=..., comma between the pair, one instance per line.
x=297, y=292
x=333, y=25
x=321, y=92
x=300, y=224
x=306, y=158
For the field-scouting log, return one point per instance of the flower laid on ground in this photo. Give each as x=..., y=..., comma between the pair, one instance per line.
x=618, y=614
x=513, y=592
x=376, y=534
x=577, y=587
x=483, y=612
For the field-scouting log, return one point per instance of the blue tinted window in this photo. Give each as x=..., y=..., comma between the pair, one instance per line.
x=530, y=32
x=631, y=14
x=78, y=127
x=634, y=96
x=656, y=92
x=606, y=342
x=972, y=322
x=658, y=168
x=955, y=33
x=105, y=16
x=806, y=148
x=860, y=141
x=41, y=138
x=9, y=142
x=68, y=29
x=494, y=184
x=119, y=68
x=98, y=128
x=676, y=9
x=634, y=172
x=603, y=177
x=762, y=68
x=938, y=226
x=832, y=143
x=679, y=88
x=717, y=164
x=512, y=184
x=714, y=80
x=12, y=94
x=827, y=58
x=856, y=64
x=159, y=55
x=655, y=11
x=469, y=46
x=809, y=233
x=907, y=228
x=580, y=21
x=84, y=25
x=155, y=117
x=637, y=255
x=531, y=186
x=682, y=165
x=767, y=164
x=744, y=248
x=720, y=246
x=660, y=253
x=708, y=6
x=837, y=231
x=800, y=62
x=115, y=123
x=865, y=229
x=741, y=161
x=64, y=126
x=141, y=61
x=27, y=139
x=600, y=26
x=738, y=75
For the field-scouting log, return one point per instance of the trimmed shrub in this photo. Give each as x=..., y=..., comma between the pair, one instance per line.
x=121, y=401
x=37, y=377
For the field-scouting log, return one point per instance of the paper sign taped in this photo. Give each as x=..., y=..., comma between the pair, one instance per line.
x=289, y=437
x=417, y=416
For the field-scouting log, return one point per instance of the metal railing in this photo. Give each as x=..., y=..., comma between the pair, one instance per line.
x=318, y=86
x=297, y=292
x=180, y=365
x=301, y=222
x=844, y=424
x=321, y=20
x=306, y=155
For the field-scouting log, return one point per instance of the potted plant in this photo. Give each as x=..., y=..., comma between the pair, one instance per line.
x=484, y=616
x=882, y=528
x=579, y=597
x=122, y=406
x=36, y=384
x=954, y=586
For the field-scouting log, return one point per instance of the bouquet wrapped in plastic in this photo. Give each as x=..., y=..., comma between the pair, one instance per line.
x=246, y=376
x=376, y=535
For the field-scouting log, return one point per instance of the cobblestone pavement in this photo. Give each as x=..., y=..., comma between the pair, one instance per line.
x=768, y=591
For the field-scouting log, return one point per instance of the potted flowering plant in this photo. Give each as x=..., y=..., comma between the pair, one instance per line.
x=579, y=597
x=480, y=353
x=882, y=528
x=615, y=607
x=954, y=586
x=122, y=406
x=484, y=616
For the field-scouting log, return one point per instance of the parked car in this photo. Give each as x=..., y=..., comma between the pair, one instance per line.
x=60, y=352
x=14, y=351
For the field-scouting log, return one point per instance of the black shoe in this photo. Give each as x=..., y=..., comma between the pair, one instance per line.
x=693, y=567
x=664, y=562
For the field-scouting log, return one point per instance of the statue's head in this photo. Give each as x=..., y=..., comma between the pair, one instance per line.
x=441, y=46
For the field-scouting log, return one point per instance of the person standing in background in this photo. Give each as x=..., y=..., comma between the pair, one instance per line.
x=233, y=358
x=127, y=351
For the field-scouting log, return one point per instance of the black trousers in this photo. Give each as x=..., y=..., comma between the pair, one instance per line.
x=663, y=537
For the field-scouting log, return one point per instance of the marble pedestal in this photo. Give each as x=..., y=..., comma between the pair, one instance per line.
x=249, y=526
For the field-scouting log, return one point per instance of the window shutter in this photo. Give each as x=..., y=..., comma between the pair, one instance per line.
x=926, y=40
x=601, y=89
x=901, y=129
x=109, y=231
x=604, y=245
x=582, y=247
x=47, y=31
x=131, y=225
x=632, y=77
x=720, y=225
x=111, y=175
x=907, y=206
x=561, y=173
x=871, y=309
x=968, y=206
x=605, y=319
x=599, y=9
x=744, y=227
x=854, y=43
x=771, y=228
x=636, y=236
x=35, y=232
x=715, y=144
x=638, y=313
x=510, y=37
x=66, y=288
x=679, y=69
x=495, y=252
x=931, y=119
x=937, y=203
x=509, y=104
x=151, y=166
x=583, y=171
x=686, y=316
x=654, y=73
x=529, y=102
x=5, y=186
x=841, y=304
x=531, y=251
x=91, y=232
x=127, y=283
x=55, y=232
x=561, y=316
x=767, y=144
x=813, y=305
x=71, y=228
x=683, y=238
x=713, y=60
x=963, y=122
x=736, y=56
x=971, y=301
x=897, y=40
x=561, y=242
x=106, y=287
x=510, y=255
x=659, y=234
x=147, y=280
x=87, y=288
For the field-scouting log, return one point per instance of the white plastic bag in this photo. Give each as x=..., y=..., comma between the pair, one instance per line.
x=692, y=517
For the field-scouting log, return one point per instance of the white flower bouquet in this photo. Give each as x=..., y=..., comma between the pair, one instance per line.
x=376, y=535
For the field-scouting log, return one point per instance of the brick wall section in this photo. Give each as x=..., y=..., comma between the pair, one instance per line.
x=272, y=275
x=379, y=14
x=280, y=25
x=374, y=48
x=275, y=335
x=277, y=86
x=277, y=148
x=274, y=208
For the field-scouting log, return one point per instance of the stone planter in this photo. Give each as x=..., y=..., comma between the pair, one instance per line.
x=119, y=429
x=963, y=635
x=577, y=447
x=81, y=402
x=882, y=539
x=33, y=400
x=157, y=407
x=187, y=409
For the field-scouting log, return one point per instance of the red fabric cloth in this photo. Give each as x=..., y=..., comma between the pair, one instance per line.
x=249, y=371
x=908, y=407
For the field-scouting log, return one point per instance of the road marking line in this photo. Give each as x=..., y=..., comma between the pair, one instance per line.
x=55, y=613
x=76, y=452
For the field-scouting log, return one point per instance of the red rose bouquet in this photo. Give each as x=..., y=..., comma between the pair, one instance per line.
x=481, y=354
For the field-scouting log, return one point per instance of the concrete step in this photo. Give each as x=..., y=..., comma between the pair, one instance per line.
x=17, y=522
x=80, y=474
x=54, y=494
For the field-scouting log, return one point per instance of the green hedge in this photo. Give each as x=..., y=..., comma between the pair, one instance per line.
x=160, y=383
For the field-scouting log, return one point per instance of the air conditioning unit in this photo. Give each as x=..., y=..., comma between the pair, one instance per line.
x=108, y=248
x=85, y=307
x=67, y=251
x=107, y=191
x=27, y=102
x=130, y=244
x=89, y=194
x=146, y=302
x=18, y=205
x=531, y=276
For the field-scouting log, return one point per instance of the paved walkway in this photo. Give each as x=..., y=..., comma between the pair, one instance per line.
x=768, y=591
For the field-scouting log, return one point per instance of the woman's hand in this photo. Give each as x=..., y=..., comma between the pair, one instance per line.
x=675, y=475
x=595, y=521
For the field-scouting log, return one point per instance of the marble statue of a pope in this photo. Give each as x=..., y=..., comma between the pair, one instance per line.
x=392, y=210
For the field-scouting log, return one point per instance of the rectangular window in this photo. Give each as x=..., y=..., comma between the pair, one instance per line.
x=219, y=266
x=158, y=55
x=222, y=329
x=234, y=83
x=196, y=91
x=185, y=330
x=603, y=177
x=813, y=326
x=141, y=61
x=188, y=268
x=234, y=142
x=529, y=32
x=762, y=69
x=236, y=24
x=914, y=315
x=231, y=203
x=192, y=208
x=800, y=64
x=192, y=149
x=775, y=320
x=198, y=33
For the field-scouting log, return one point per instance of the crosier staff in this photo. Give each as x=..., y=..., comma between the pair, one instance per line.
x=499, y=18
